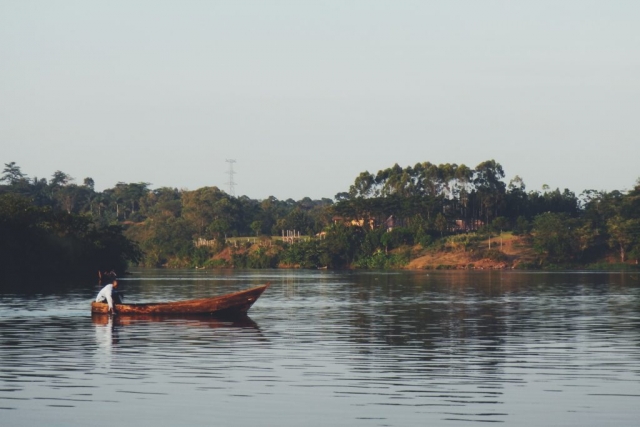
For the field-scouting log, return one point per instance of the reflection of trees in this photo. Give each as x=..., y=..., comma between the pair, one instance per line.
x=469, y=315
x=457, y=321
x=424, y=313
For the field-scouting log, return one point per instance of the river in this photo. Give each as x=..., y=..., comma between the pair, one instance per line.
x=323, y=348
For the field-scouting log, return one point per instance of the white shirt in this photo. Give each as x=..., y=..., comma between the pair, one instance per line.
x=106, y=294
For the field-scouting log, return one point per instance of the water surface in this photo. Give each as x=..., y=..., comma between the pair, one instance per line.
x=331, y=348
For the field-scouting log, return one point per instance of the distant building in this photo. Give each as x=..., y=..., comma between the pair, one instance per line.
x=390, y=223
x=354, y=222
x=467, y=225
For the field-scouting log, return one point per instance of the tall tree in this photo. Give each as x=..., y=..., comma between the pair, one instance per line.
x=554, y=238
x=12, y=174
x=623, y=234
x=488, y=183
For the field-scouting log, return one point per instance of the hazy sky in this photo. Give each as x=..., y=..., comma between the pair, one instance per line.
x=305, y=95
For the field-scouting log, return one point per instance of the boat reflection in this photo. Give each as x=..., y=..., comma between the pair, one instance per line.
x=186, y=320
x=120, y=341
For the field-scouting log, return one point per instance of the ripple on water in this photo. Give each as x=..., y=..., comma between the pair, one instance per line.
x=334, y=349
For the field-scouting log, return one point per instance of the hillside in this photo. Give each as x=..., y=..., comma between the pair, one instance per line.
x=507, y=251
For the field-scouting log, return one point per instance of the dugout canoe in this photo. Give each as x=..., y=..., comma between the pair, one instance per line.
x=234, y=304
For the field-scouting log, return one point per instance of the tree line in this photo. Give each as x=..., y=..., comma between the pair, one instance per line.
x=430, y=201
x=40, y=239
x=372, y=225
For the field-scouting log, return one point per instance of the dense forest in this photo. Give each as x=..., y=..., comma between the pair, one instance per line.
x=382, y=221
x=39, y=240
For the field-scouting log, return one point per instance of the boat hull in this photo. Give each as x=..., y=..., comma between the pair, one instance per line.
x=234, y=304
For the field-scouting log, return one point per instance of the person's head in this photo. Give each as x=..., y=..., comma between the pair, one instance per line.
x=115, y=283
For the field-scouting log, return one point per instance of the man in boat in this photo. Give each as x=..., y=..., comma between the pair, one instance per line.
x=110, y=294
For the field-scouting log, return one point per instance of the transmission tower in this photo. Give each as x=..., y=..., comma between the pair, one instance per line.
x=231, y=183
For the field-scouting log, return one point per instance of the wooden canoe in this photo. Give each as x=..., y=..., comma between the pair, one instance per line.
x=229, y=305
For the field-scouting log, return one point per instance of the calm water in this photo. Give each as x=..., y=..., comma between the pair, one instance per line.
x=327, y=348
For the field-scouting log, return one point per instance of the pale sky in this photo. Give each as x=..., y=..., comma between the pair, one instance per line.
x=305, y=95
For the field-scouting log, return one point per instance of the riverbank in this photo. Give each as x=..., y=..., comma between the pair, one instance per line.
x=460, y=252
x=502, y=252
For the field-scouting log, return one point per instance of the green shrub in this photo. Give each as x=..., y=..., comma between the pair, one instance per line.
x=216, y=263
x=527, y=266
x=605, y=266
x=494, y=255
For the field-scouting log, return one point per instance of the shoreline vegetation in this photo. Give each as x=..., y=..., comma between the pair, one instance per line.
x=428, y=216
x=504, y=251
